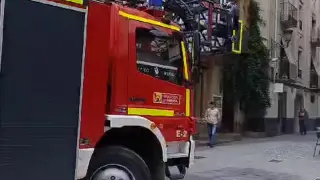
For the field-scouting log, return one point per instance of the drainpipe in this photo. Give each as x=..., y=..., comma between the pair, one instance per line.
x=201, y=92
x=276, y=63
x=276, y=38
x=276, y=26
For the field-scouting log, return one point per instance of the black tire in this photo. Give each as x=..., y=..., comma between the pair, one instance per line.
x=120, y=156
x=160, y=171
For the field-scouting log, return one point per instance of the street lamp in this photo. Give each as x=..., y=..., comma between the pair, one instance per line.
x=286, y=37
x=284, y=40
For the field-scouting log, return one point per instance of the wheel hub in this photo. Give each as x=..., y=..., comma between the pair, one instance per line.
x=114, y=173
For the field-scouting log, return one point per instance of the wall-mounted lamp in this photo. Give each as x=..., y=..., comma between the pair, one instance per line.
x=286, y=38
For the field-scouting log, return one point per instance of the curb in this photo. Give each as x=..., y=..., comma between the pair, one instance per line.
x=220, y=139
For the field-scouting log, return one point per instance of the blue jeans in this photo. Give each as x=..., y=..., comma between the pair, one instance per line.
x=211, y=132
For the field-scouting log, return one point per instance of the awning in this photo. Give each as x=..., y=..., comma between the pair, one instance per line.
x=316, y=60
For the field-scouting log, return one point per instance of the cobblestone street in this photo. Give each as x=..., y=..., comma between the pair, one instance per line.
x=288, y=157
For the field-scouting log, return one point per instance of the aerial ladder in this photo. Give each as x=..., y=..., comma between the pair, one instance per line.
x=214, y=26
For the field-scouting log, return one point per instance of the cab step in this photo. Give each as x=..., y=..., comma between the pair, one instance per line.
x=181, y=174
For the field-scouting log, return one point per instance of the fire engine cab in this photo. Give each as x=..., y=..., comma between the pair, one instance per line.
x=96, y=90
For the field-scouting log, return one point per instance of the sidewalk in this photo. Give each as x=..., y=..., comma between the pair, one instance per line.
x=221, y=138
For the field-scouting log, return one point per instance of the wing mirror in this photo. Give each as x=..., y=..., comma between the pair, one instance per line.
x=159, y=33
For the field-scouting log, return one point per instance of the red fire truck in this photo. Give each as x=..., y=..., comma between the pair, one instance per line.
x=113, y=74
x=93, y=90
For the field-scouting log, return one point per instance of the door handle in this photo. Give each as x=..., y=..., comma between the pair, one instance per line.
x=137, y=99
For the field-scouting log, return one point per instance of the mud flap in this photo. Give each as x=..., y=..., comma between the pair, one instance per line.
x=40, y=89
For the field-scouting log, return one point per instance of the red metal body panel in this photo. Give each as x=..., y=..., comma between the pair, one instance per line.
x=149, y=85
x=120, y=66
x=95, y=72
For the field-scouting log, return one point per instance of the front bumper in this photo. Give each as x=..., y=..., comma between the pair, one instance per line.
x=192, y=151
x=176, y=150
x=83, y=161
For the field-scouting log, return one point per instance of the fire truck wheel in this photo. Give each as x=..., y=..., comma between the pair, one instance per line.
x=117, y=163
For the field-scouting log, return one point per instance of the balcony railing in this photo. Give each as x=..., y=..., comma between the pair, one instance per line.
x=315, y=36
x=288, y=71
x=289, y=14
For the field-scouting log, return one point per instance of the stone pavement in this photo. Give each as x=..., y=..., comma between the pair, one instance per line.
x=287, y=157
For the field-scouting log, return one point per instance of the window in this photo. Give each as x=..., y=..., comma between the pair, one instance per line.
x=159, y=55
x=300, y=17
x=300, y=25
x=299, y=68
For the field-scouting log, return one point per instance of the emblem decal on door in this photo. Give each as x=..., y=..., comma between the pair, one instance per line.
x=166, y=98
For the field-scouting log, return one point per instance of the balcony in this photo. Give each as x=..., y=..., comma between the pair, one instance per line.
x=315, y=36
x=288, y=14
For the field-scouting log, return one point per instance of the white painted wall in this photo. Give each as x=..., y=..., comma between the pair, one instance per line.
x=291, y=93
x=272, y=112
x=312, y=107
x=306, y=45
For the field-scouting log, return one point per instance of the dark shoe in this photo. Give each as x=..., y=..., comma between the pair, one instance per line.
x=211, y=146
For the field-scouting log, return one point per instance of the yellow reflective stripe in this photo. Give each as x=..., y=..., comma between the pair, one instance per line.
x=185, y=64
x=240, y=40
x=76, y=1
x=150, y=112
x=188, y=102
x=149, y=21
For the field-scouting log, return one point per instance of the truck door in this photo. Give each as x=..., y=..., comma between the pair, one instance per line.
x=156, y=72
x=40, y=89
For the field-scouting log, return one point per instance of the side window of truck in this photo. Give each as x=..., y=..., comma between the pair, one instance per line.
x=159, y=56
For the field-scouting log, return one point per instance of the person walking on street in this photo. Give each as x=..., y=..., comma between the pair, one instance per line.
x=303, y=117
x=212, y=117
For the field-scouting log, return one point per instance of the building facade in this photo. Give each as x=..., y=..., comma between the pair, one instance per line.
x=210, y=86
x=292, y=28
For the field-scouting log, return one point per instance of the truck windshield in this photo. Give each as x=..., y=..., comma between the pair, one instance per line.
x=159, y=57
